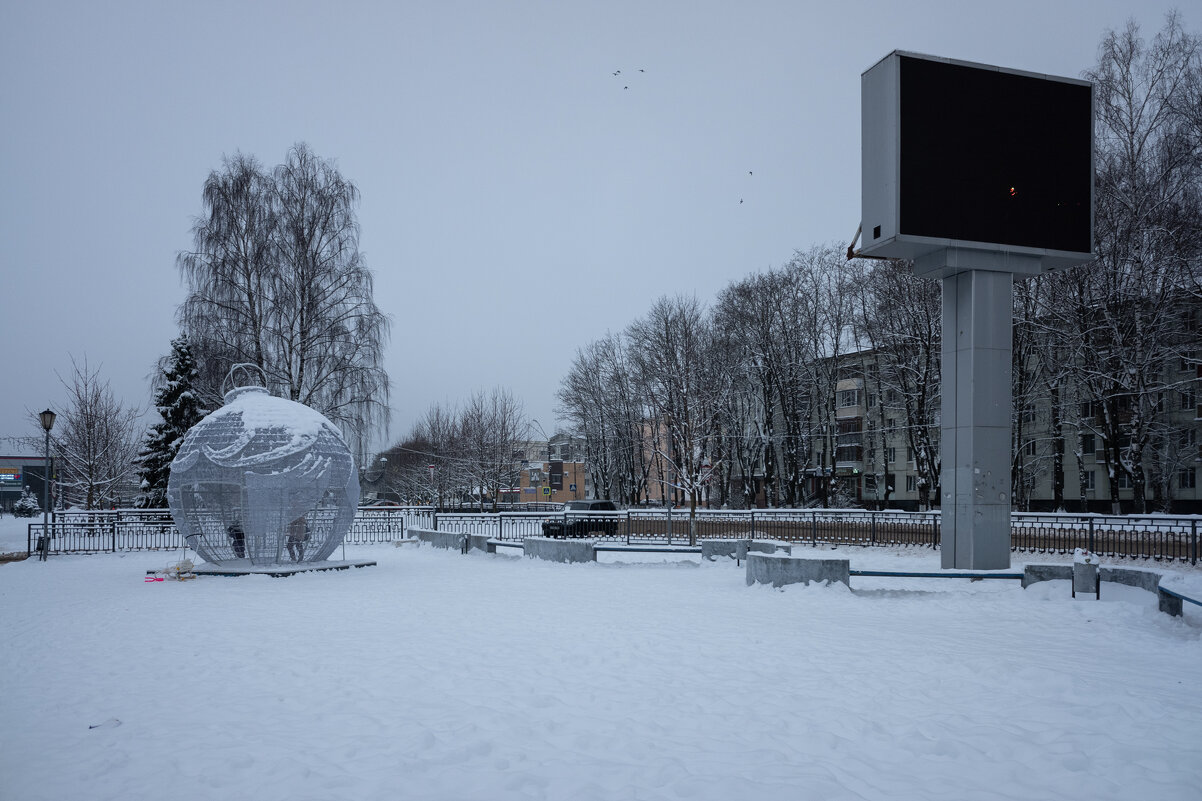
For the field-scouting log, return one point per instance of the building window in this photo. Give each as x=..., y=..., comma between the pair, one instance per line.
x=849, y=441
x=1187, y=478
x=870, y=484
x=1188, y=441
x=1090, y=482
x=910, y=455
x=891, y=455
x=871, y=400
x=1123, y=480
x=1029, y=450
x=1090, y=409
x=849, y=397
x=1087, y=443
x=911, y=483
x=891, y=422
x=1188, y=398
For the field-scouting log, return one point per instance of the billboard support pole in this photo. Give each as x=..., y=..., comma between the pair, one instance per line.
x=975, y=426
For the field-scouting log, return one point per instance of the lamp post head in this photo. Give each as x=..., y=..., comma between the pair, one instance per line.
x=47, y=418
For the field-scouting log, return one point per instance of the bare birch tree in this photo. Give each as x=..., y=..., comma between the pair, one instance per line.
x=275, y=279
x=492, y=428
x=903, y=321
x=96, y=439
x=673, y=345
x=1129, y=314
x=746, y=311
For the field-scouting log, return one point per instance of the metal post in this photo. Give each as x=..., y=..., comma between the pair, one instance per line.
x=1092, y=548
x=872, y=515
x=753, y=524
x=1193, y=528
x=45, y=549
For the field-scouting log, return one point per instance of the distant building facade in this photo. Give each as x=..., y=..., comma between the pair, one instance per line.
x=866, y=449
x=19, y=472
x=551, y=471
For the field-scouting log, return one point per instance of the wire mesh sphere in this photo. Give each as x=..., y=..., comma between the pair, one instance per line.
x=265, y=480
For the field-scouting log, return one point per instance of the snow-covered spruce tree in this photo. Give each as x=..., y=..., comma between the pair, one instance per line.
x=27, y=506
x=180, y=409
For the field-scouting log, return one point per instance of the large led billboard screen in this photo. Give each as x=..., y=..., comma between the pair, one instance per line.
x=966, y=155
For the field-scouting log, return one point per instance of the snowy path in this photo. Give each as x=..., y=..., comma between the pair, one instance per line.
x=440, y=676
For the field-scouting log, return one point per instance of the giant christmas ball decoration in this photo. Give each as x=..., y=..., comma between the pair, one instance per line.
x=264, y=480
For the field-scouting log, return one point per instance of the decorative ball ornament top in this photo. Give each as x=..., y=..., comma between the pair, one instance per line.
x=263, y=479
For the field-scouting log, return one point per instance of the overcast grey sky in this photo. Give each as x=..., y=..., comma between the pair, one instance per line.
x=518, y=199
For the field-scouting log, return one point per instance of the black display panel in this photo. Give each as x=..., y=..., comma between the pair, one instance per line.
x=989, y=156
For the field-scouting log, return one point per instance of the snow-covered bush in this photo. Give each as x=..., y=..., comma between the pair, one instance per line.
x=27, y=506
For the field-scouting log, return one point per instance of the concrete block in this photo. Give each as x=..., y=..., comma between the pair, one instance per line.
x=1168, y=604
x=710, y=549
x=1036, y=573
x=744, y=547
x=773, y=546
x=1133, y=577
x=451, y=540
x=478, y=542
x=779, y=569
x=556, y=550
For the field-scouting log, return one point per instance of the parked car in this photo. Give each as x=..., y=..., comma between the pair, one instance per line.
x=584, y=518
x=380, y=503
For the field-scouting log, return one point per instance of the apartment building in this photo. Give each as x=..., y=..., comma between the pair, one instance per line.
x=551, y=471
x=866, y=449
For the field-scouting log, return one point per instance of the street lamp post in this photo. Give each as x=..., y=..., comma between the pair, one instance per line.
x=47, y=418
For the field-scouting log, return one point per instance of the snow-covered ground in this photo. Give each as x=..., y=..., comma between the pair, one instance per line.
x=14, y=532
x=440, y=676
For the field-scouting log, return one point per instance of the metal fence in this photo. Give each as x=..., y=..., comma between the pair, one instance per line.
x=1151, y=537
x=1156, y=537
x=149, y=530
